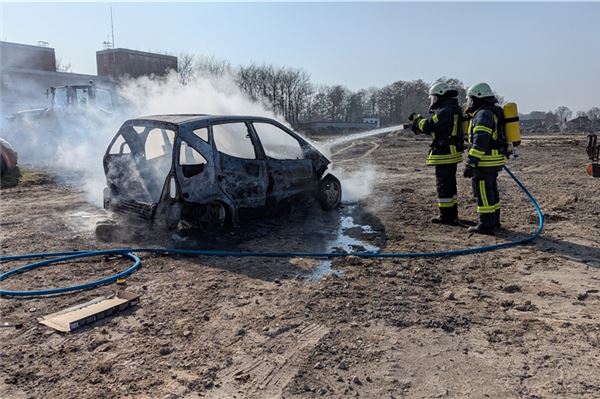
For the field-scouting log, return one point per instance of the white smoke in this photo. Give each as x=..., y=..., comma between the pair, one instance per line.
x=358, y=184
x=201, y=96
x=78, y=146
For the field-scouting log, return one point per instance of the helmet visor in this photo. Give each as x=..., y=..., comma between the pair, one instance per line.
x=469, y=102
x=432, y=100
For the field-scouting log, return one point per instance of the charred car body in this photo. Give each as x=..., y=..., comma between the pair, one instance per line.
x=205, y=169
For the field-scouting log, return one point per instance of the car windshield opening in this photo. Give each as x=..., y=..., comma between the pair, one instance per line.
x=141, y=159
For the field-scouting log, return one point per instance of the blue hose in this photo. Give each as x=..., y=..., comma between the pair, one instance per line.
x=56, y=257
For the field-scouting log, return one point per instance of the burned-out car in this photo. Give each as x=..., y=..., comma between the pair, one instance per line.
x=204, y=169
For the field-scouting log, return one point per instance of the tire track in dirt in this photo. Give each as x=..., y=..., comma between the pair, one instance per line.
x=266, y=374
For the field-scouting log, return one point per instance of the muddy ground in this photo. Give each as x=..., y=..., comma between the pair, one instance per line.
x=521, y=322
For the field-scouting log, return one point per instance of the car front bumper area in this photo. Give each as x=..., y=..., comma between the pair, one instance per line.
x=140, y=210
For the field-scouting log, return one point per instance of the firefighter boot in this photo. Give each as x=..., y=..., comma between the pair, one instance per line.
x=498, y=224
x=447, y=216
x=486, y=224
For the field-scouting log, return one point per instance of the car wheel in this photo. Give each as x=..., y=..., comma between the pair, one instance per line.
x=212, y=217
x=330, y=192
x=168, y=214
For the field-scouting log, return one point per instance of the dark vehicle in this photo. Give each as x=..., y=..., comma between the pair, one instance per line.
x=9, y=171
x=8, y=157
x=205, y=169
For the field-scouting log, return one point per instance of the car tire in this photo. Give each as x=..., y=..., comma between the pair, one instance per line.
x=168, y=215
x=330, y=193
x=212, y=217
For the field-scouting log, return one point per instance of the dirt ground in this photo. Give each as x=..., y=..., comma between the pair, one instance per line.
x=521, y=322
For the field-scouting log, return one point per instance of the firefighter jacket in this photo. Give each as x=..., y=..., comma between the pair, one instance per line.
x=443, y=126
x=484, y=139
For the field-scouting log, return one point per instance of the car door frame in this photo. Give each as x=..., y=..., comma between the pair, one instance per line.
x=287, y=177
x=245, y=192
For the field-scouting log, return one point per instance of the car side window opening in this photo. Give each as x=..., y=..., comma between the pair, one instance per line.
x=159, y=143
x=119, y=146
x=234, y=139
x=277, y=143
x=189, y=156
x=191, y=161
x=202, y=133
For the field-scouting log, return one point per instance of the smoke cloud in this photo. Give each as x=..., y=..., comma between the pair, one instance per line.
x=358, y=184
x=76, y=145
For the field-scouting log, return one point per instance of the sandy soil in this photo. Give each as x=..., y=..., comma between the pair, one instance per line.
x=521, y=322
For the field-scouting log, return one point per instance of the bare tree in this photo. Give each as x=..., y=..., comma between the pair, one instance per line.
x=320, y=103
x=372, y=100
x=356, y=106
x=185, y=67
x=416, y=99
x=210, y=66
x=550, y=119
x=594, y=113
x=286, y=91
x=336, y=96
x=289, y=92
x=563, y=113
x=62, y=66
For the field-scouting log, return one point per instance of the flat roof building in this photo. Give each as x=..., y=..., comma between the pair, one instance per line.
x=25, y=56
x=26, y=72
x=121, y=62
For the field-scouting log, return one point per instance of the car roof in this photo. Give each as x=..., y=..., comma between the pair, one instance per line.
x=181, y=119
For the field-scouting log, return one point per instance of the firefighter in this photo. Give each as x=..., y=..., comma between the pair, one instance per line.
x=446, y=147
x=485, y=156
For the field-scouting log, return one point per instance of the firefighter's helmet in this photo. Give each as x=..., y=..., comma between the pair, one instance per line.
x=480, y=90
x=439, y=89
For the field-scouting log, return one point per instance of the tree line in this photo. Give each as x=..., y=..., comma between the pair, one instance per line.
x=290, y=93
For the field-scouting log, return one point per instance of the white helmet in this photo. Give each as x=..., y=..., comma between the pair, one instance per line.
x=439, y=89
x=480, y=90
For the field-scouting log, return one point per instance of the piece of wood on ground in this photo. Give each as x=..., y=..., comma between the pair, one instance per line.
x=79, y=315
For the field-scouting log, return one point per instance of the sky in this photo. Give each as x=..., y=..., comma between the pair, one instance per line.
x=540, y=55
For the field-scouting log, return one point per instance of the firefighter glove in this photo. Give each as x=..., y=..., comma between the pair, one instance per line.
x=468, y=172
x=415, y=128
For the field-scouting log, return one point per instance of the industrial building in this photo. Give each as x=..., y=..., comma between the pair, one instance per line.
x=122, y=62
x=27, y=71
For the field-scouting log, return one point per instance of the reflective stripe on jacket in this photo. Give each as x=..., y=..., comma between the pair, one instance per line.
x=443, y=127
x=484, y=145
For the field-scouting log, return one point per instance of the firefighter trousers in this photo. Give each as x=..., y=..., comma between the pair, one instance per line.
x=485, y=189
x=445, y=183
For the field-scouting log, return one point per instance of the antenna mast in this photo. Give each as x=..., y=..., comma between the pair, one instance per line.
x=112, y=28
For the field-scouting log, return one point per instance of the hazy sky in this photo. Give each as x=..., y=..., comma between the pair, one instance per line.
x=541, y=55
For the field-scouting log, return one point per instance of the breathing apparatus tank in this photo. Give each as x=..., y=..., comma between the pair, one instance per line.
x=465, y=124
x=466, y=121
x=511, y=124
x=512, y=129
